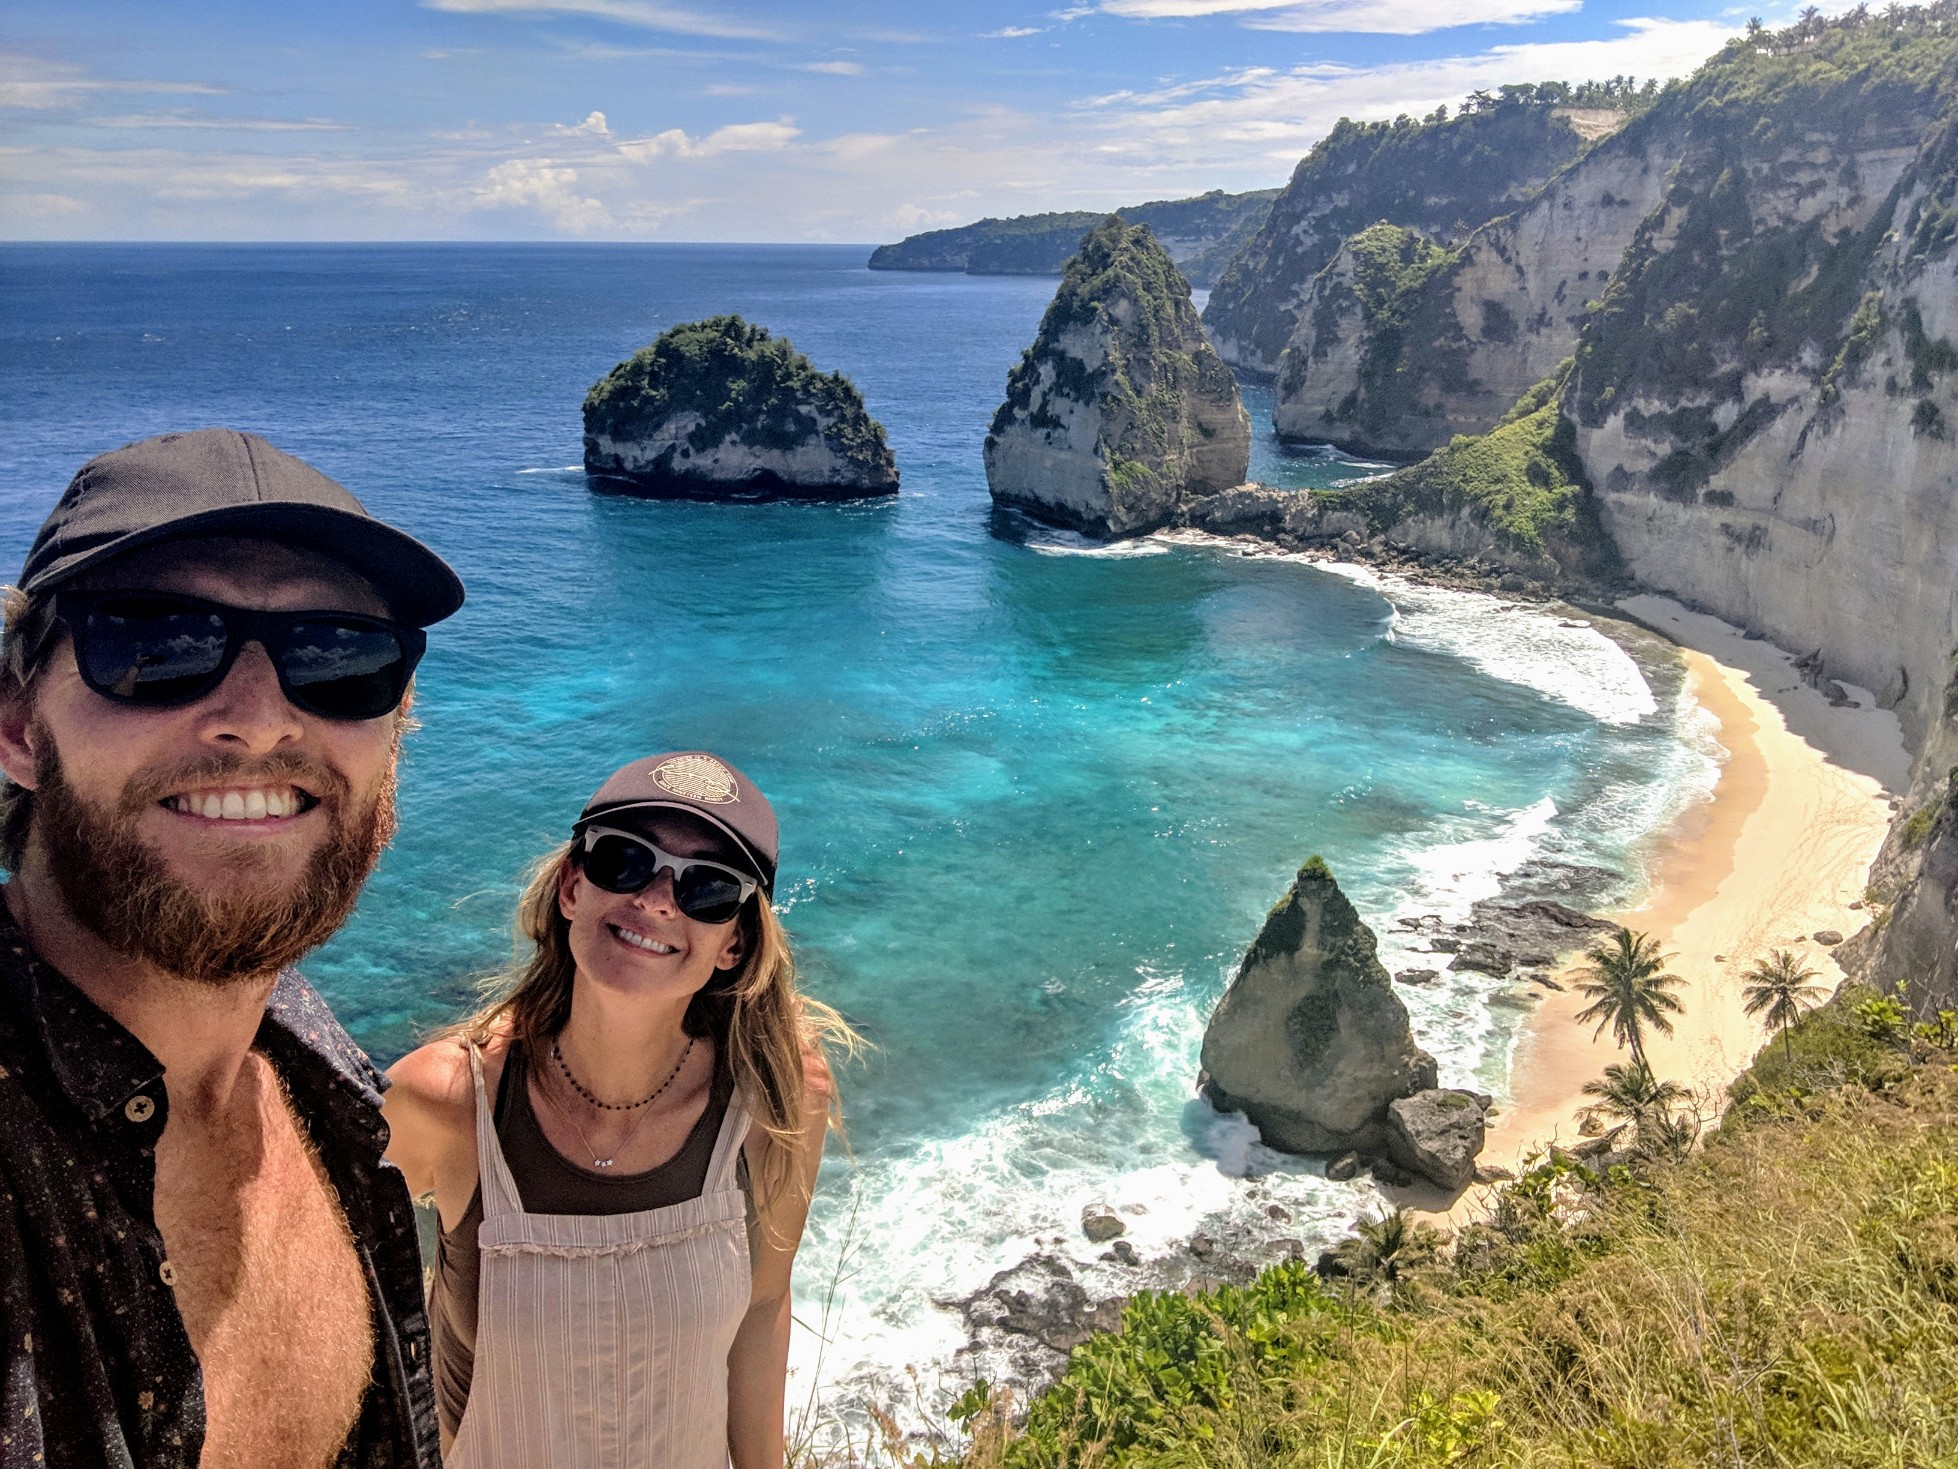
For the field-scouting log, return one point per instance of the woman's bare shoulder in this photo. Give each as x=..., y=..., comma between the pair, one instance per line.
x=433, y=1081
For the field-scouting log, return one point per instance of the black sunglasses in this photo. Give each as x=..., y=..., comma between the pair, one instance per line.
x=158, y=649
x=620, y=862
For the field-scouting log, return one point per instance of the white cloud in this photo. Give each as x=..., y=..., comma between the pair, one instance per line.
x=1373, y=17
x=29, y=83
x=593, y=126
x=210, y=123
x=537, y=183
x=740, y=137
x=1279, y=114
x=641, y=13
x=769, y=180
x=834, y=68
x=1011, y=33
x=729, y=89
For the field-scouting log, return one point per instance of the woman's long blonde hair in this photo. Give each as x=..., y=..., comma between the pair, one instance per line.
x=767, y=1031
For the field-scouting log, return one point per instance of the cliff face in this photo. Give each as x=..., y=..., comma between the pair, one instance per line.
x=718, y=407
x=1762, y=402
x=1310, y=1042
x=1442, y=177
x=1398, y=362
x=1119, y=415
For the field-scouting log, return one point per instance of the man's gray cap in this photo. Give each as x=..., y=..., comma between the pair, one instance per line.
x=220, y=482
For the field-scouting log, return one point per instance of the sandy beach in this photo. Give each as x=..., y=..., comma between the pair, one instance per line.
x=1779, y=853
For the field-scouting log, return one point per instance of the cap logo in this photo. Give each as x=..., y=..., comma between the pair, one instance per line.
x=697, y=778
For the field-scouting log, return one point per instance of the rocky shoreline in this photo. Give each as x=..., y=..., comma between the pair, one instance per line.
x=1022, y=1324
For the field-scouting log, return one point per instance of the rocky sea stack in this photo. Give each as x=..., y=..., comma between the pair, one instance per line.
x=1120, y=415
x=720, y=409
x=1311, y=1043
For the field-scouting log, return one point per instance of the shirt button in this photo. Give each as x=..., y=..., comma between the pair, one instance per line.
x=139, y=1109
x=167, y=1273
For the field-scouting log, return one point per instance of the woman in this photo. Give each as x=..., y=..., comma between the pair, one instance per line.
x=622, y=1146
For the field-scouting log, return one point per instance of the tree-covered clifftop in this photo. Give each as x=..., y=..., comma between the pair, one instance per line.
x=1200, y=234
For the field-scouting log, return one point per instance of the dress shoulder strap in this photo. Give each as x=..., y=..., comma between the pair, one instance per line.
x=499, y=1188
x=727, y=1147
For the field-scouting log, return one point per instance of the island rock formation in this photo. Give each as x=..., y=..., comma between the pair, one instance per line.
x=1310, y=1041
x=1119, y=415
x=720, y=409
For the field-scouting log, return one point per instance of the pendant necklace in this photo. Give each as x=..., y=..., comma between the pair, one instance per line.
x=598, y=1163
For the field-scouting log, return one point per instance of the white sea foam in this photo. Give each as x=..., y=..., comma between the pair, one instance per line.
x=1561, y=658
x=1069, y=543
x=555, y=469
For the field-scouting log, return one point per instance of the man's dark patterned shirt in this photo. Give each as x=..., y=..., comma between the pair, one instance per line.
x=96, y=1368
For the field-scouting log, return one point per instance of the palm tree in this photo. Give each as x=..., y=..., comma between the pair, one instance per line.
x=1633, y=1094
x=1628, y=987
x=1780, y=990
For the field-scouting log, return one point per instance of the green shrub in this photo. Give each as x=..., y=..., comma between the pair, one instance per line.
x=1851, y=1041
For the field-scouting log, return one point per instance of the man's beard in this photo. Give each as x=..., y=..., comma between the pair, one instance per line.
x=121, y=888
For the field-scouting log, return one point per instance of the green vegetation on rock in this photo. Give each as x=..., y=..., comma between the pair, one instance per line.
x=1391, y=268
x=741, y=382
x=1523, y=479
x=1120, y=277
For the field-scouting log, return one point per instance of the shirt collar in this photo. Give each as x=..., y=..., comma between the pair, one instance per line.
x=100, y=1064
x=96, y=1062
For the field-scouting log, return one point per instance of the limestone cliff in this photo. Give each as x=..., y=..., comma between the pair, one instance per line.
x=1441, y=177
x=1402, y=344
x=1309, y=1041
x=720, y=408
x=1119, y=415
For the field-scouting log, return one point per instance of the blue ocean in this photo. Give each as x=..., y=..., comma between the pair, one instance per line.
x=1036, y=794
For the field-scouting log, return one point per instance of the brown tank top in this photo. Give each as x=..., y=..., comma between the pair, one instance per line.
x=547, y=1184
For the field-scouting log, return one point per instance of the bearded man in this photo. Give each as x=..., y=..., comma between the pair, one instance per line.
x=204, y=1259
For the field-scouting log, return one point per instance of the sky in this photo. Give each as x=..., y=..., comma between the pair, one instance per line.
x=751, y=120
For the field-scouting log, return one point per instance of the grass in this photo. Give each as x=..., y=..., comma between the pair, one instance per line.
x=1786, y=1296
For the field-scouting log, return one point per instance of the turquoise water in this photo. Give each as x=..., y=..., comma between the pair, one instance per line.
x=1036, y=795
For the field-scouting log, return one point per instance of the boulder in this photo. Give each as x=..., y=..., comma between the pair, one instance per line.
x=1345, y=1166
x=1485, y=957
x=1310, y=1041
x=1437, y=1134
x=1120, y=415
x=1416, y=976
x=1828, y=937
x=1101, y=1224
x=719, y=409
